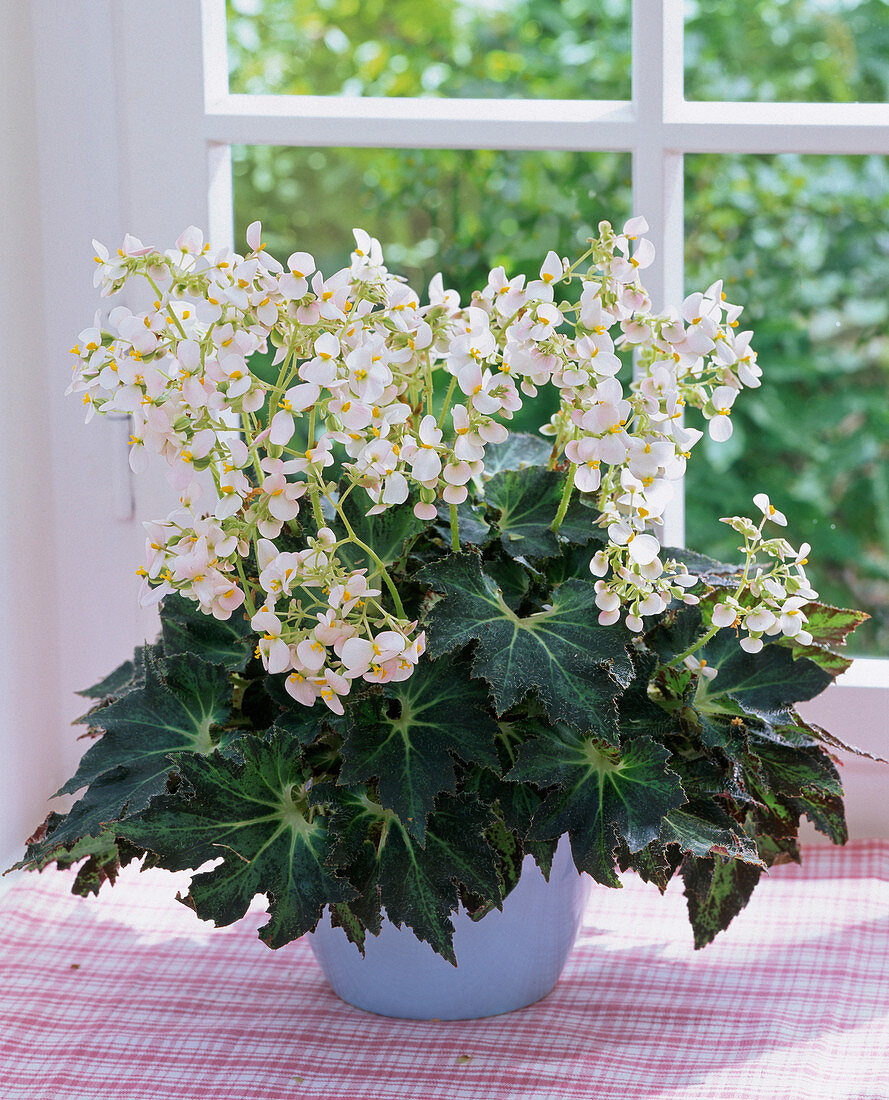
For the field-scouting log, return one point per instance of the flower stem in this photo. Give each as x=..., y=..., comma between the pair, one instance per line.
x=248, y=599
x=455, y=530
x=447, y=400
x=566, y=499
x=317, y=514
x=693, y=648
x=393, y=591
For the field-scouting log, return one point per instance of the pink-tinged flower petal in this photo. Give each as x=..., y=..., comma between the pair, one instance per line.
x=357, y=655
x=311, y=654
x=635, y=226
x=426, y=465
x=552, y=268
x=228, y=505
x=455, y=494
x=395, y=489
x=301, y=264
x=281, y=428
x=457, y=473
x=301, y=688
x=278, y=656
x=425, y=511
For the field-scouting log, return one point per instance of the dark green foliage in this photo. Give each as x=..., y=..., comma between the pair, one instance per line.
x=405, y=736
x=599, y=797
x=251, y=809
x=186, y=630
x=575, y=665
x=525, y=503
x=526, y=720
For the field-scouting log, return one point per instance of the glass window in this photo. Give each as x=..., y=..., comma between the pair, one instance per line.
x=831, y=51
x=804, y=244
x=562, y=49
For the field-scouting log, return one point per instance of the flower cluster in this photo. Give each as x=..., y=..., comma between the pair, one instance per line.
x=356, y=403
x=768, y=600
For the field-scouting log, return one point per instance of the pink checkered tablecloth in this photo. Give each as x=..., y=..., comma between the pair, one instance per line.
x=131, y=997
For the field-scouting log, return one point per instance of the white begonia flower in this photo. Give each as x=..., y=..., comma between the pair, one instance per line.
x=294, y=283
x=759, y=620
x=792, y=617
x=700, y=666
x=273, y=650
x=625, y=268
x=426, y=464
x=551, y=271
x=653, y=604
x=606, y=599
x=599, y=565
x=765, y=506
x=454, y=494
x=751, y=644
x=720, y=426
x=643, y=549
x=724, y=614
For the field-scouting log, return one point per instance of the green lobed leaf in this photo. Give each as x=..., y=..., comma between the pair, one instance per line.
x=117, y=683
x=407, y=735
x=249, y=808
x=574, y=664
x=599, y=798
x=830, y=627
x=766, y=681
x=526, y=502
x=518, y=450
x=186, y=629
x=717, y=890
x=702, y=828
x=638, y=713
x=182, y=700
x=471, y=524
x=804, y=780
x=654, y=863
x=418, y=886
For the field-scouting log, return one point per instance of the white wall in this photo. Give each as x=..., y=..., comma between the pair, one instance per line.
x=93, y=144
x=29, y=711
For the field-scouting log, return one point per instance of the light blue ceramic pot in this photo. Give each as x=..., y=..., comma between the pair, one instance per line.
x=505, y=961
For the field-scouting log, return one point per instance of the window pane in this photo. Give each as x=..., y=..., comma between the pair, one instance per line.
x=833, y=51
x=550, y=49
x=803, y=243
x=460, y=212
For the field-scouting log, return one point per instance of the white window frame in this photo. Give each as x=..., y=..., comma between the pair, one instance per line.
x=128, y=126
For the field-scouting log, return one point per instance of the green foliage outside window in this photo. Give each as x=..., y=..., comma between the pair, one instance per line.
x=805, y=239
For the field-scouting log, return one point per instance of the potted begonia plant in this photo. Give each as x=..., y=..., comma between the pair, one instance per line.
x=403, y=651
